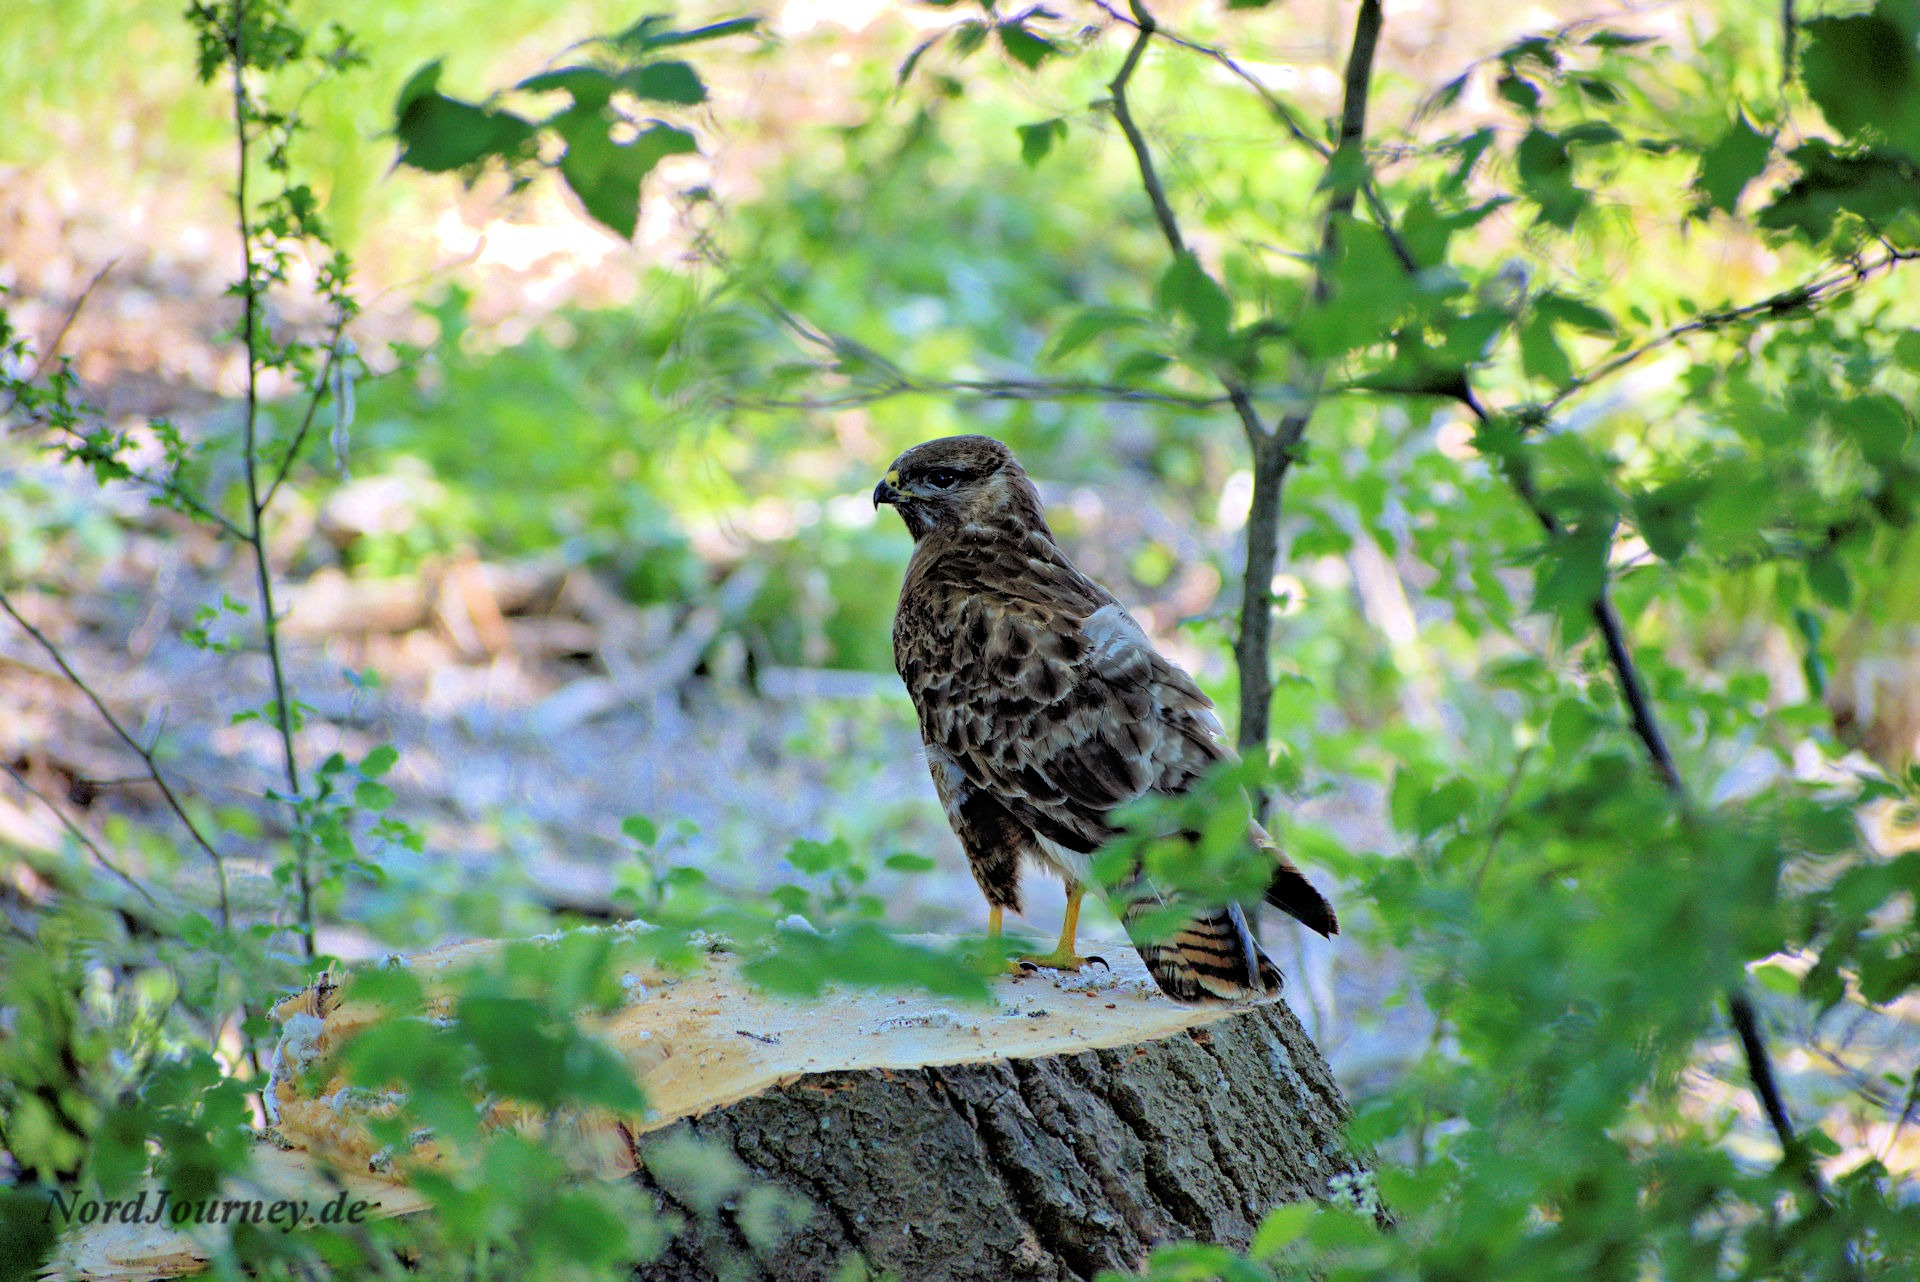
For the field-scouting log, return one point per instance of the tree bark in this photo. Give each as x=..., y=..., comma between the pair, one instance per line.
x=1053, y=1167
x=1068, y=1127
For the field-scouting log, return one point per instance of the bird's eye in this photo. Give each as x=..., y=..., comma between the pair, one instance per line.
x=943, y=478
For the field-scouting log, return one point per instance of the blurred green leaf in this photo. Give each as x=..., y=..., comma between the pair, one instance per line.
x=438, y=133
x=1036, y=140
x=1864, y=72
x=1733, y=161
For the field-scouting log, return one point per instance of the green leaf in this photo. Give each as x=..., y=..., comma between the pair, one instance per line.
x=1877, y=425
x=1545, y=166
x=1874, y=187
x=423, y=83
x=369, y=795
x=1037, y=140
x=1187, y=290
x=1572, y=570
x=809, y=856
x=1137, y=367
x=1092, y=323
x=905, y=861
x=652, y=32
x=1541, y=355
x=1597, y=89
x=1023, y=46
x=1906, y=350
x=438, y=134
x=1863, y=72
x=1776, y=978
x=674, y=82
x=1571, y=311
x=1827, y=577
x=1519, y=91
x=1283, y=1226
x=590, y=87
x=607, y=175
x=1667, y=515
x=1615, y=40
x=379, y=761
x=1569, y=727
x=640, y=829
x=1732, y=162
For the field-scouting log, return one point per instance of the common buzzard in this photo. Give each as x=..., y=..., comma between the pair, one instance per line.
x=1043, y=707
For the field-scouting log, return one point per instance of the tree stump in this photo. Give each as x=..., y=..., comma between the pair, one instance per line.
x=1067, y=1128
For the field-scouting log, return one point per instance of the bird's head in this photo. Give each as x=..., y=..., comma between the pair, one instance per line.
x=957, y=481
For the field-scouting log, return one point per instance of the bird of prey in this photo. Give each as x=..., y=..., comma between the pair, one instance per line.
x=1044, y=708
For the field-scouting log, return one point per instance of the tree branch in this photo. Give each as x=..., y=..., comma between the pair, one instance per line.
x=255, y=532
x=139, y=749
x=1646, y=727
x=313, y=409
x=1000, y=389
x=1273, y=458
x=59, y=336
x=1273, y=449
x=79, y=835
x=1786, y=303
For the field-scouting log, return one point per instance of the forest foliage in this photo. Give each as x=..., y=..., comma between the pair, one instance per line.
x=1605, y=341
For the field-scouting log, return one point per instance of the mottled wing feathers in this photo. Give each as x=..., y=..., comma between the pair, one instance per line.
x=1044, y=706
x=1040, y=689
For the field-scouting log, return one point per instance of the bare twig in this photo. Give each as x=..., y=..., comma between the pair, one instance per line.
x=139, y=749
x=59, y=336
x=990, y=389
x=1144, y=27
x=1284, y=113
x=1780, y=306
x=79, y=834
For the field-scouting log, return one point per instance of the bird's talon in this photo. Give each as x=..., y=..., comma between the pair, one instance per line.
x=1103, y=963
x=1057, y=961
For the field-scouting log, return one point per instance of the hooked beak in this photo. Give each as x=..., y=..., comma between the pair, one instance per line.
x=885, y=491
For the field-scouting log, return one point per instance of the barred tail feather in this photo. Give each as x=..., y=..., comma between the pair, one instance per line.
x=1210, y=958
x=1290, y=891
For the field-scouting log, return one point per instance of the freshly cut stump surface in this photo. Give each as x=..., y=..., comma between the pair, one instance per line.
x=1069, y=1127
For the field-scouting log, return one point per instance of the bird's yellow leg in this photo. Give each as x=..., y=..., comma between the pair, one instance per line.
x=993, y=921
x=1063, y=957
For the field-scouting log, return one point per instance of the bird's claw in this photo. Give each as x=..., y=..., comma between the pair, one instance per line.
x=1054, y=961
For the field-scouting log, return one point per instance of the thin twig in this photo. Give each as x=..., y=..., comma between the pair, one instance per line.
x=1256, y=596
x=997, y=389
x=45, y=358
x=313, y=409
x=80, y=835
x=1281, y=110
x=1786, y=303
x=255, y=532
x=139, y=749
x=1284, y=113
x=1144, y=26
